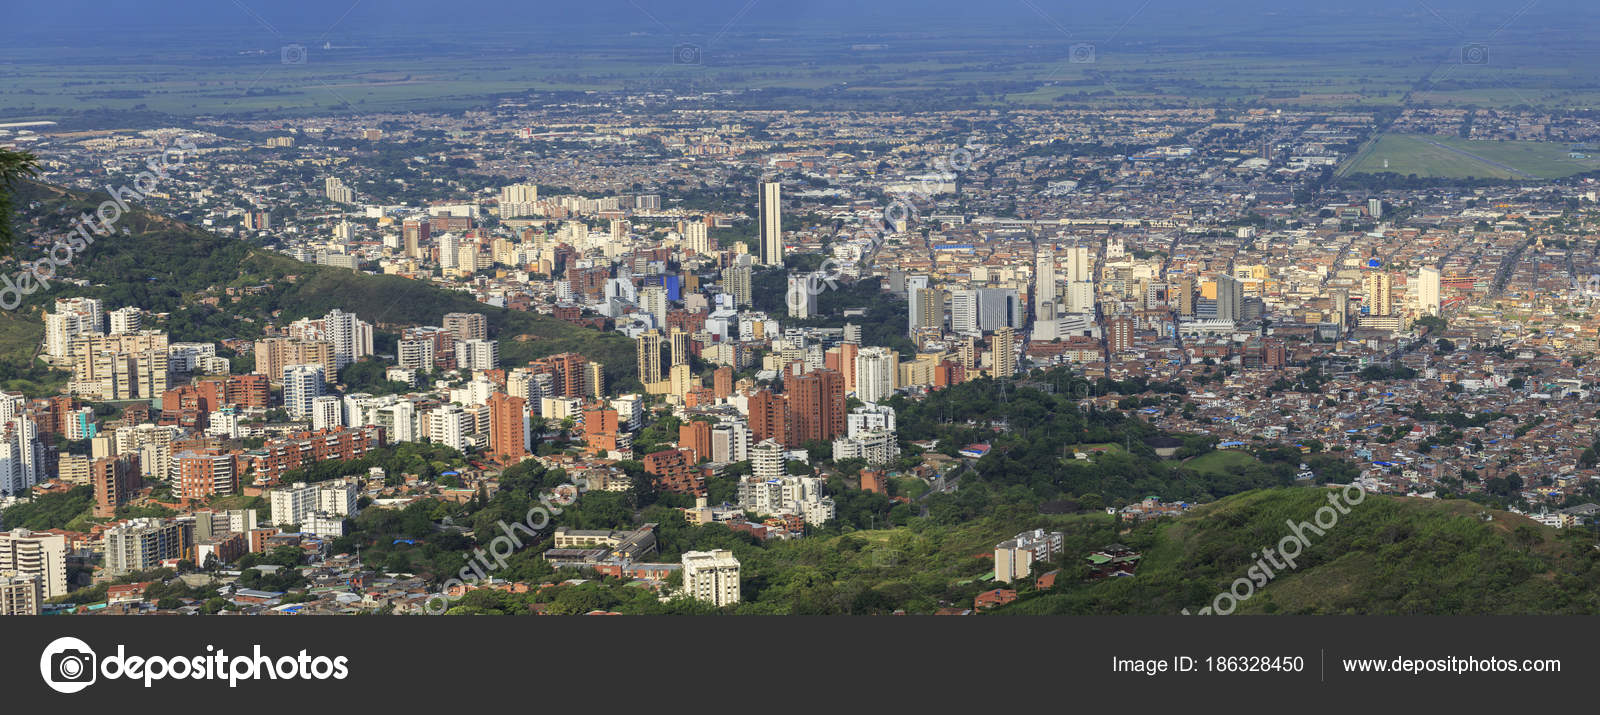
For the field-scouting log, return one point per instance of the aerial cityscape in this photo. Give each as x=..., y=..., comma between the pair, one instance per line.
x=691, y=311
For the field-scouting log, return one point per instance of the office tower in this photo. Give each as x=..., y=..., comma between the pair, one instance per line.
x=711, y=576
x=926, y=310
x=816, y=406
x=679, y=347
x=801, y=297
x=1375, y=286
x=1230, y=298
x=648, y=356
x=35, y=554
x=327, y=412
x=1428, y=290
x=1079, y=298
x=722, y=382
x=736, y=281
x=301, y=385
x=875, y=373
x=964, y=311
x=477, y=354
x=115, y=479
x=1004, y=348
x=1375, y=208
x=1184, y=300
x=996, y=308
x=769, y=212
x=852, y=333
x=1044, y=280
x=696, y=239
x=653, y=300
x=509, y=436
x=416, y=234
x=1080, y=264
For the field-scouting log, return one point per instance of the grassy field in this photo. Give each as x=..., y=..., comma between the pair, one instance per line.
x=1452, y=157
x=1222, y=461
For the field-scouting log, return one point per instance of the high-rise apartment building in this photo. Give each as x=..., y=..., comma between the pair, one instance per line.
x=711, y=576
x=769, y=214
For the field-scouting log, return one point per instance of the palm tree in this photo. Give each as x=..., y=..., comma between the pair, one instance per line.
x=14, y=167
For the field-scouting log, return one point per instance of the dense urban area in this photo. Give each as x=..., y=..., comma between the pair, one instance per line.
x=657, y=353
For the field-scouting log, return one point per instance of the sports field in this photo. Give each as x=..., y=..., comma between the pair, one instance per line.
x=1431, y=156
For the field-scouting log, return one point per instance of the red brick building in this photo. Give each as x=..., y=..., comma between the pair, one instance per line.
x=307, y=448
x=673, y=470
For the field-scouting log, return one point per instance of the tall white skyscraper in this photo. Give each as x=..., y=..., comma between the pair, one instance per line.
x=302, y=384
x=653, y=300
x=964, y=311
x=1428, y=290
x=695, y=238
x=1044, y=281
x=1080, y=264
x=351, y=337
x=327, y=412
x=875, y=373
x=802, y=294
x=769, y=214
x=1080, y=297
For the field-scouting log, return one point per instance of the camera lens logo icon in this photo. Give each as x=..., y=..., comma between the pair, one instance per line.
x=686, y=54
x=293, y=54
x=68, y=665
x=1474, y=54
x=1082, y=53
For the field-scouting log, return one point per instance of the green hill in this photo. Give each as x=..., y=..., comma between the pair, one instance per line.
x=1388, y=555
x=214, y=287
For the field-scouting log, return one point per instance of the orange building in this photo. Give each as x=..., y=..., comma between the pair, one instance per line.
x=115, y=480
x=508, y=427
x=695, y=436
x=673, y=470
